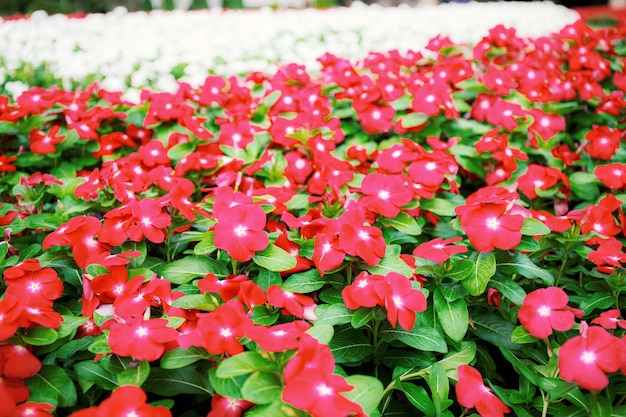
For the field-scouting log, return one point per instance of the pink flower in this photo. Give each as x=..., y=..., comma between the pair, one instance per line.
x=437, y=249
x=240, y=233
x=400, y=299
x=471, y=392
x=586, y=359
x=490, y=226
x=545, y=310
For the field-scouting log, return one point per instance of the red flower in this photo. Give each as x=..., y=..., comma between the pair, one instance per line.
x=125, y=401
x=327, y=253
x=11, y=308
x=141, y=339
x=471, y=392
x=610, y=320
x=489, y=226
x=608, y=255
x=401, y=300
x=280, y=337
x=218, y=331
x=291, y=302
x=385, y=194
x=538, y=177
x=148, y=220
x=436, y=250
x=44, y=143
x=17, y=362
x=240, y=231
x=362, y=292
x=546, y=309
x=5, y=163
x=227, y=407
x=586, y=359
x=31, y=409
x=319, y=393
x=612, y=175
x=603, y=142
x=356, y=238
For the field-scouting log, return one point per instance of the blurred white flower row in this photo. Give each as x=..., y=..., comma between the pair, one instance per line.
x=130, y=51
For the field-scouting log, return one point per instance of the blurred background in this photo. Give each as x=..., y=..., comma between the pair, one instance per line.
x=22, y=7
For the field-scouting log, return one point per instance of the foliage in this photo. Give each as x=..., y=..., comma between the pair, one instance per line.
x=414, y=234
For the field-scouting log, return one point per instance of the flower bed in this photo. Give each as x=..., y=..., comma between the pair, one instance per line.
x=434, y=233
x=131, y=51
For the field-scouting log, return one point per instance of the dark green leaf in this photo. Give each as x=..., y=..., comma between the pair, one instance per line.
x=168, y=382
x=267, y=278
x=350, y=345
x=439, y=386
x=520, y=264
x=439, y=206
x=419, y=398
x=454, y=359
x=263, y=315
x=523, y=367
x=597, y=301
x=52, y=385
x=494, y=329
x=421, y=338
x=362, y=316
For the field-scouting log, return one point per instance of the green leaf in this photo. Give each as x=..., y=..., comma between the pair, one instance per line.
x=204, y=302
x=460, y=270
x=367, y=392
x=262, y=388
x=275, y=409
x=40, y=336
x=520, y=335
x=69, y=349
x=455, y=359
x=179, y=357
x=413, y=120
x=584, y=185
x=244, y=363
x=523, y=367
x=332, y=314
x=169, y=382
x=349, y=345
x=52, y=385
x=403, y=223
x=227, y=387
x=484, y=268
x=267, y=278
x=494, y=329
x=185, y=269
x=419, y=398
x=361, y=317
x=452, y=315
x=600, y=406
x=597, y=301
x=322, y=332
x=391, y=262
x=534, y=227
x=439, y=206
x=556, y=387
x=510, y=289
x=303, y=282
x=263, y=315
x=421, y=338
x=205, y=246
x=135, y=375
x=521, y=264
x=439, y=386
x=275, y=259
